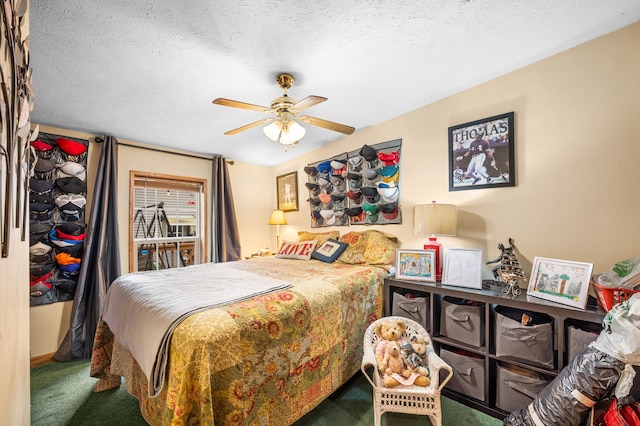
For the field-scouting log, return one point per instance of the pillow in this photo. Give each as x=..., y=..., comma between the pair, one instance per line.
x=369, y=248
x=329, y=250
x=320, y=237
x=299, y=250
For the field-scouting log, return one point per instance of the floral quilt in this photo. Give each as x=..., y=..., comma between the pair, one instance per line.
x=264, y=361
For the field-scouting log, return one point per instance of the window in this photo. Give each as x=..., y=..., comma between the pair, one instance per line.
x=167, y=225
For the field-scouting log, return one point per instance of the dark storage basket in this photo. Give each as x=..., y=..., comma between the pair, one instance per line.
x=516, y=387
x=579, y=335
x=531, y=344
x=468, y=373
x=462, y=320
x=415, y=308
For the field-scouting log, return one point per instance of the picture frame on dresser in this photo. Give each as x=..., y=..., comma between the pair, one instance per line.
x=462, y=267
x=418, y=265
x=561, y=281
x=481, y=153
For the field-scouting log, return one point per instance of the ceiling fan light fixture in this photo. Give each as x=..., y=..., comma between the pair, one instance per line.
x=292, y=133
x=273, y=130
x=287, y=133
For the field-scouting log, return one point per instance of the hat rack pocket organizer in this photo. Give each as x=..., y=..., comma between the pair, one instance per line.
x=360, y=187
x=57, y=199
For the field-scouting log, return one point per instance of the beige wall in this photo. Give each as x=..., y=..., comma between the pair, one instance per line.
x=14, y=331
x=14, y=271
x=578, y=175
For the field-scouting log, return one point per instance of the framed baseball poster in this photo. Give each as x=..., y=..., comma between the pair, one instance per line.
x=481, y=153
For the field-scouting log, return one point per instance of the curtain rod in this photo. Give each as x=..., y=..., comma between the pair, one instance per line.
x=201, y=157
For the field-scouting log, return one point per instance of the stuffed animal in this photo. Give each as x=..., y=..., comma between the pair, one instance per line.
x=395, y=363
x=391, y=363
x=415, y=351
x=387, y=331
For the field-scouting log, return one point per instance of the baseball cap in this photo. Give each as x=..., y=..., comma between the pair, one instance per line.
x=324, y=167
x=371, y=192
x=389, y=158
x=371, y=211
x=71, y=147
x=71, y=185
x=71, y=168
x=311, y=171
x=389, y=211
x=368, y=153
x=356, y=196
x=355, y=163
x=356, y=214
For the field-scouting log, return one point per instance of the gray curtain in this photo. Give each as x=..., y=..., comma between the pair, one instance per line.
x=100, y=262
x=225, y=240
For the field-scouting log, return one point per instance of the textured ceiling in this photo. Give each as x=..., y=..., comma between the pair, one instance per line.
x=147, y=71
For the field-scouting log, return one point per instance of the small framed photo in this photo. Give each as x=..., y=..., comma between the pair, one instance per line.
x=462, y=267
x=560, y=281
x=287, y=192
x=481, y=153
x=416, y=265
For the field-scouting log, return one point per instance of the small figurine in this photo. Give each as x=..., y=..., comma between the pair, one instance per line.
x=508, y=270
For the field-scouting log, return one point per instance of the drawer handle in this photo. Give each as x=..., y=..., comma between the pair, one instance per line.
x=520, y=388
x=462, y=372
x=455, y=318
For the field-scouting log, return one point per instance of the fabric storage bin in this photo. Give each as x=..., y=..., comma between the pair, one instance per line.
x=415, y=308
x=531, y=344
x=468, y=373
x=517, y=387
x=579, y=335
x=462, y=320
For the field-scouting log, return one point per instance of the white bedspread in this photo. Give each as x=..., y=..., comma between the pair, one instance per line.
x=157, y=301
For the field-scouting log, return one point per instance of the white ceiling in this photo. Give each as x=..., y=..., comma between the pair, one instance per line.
x=147, y=71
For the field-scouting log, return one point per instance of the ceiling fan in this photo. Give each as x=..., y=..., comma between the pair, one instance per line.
x=284, y=128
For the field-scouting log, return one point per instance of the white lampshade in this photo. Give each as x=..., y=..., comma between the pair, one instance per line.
x=272, y=131
x=277, y=218
x=435, y=219
x=288, y=133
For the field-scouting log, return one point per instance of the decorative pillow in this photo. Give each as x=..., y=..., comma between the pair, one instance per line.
x=320, y=237
x=329, y=250
x=369, y=248
x=300, y=250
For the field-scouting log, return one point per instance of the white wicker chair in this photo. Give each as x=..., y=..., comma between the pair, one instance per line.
x=405, y=399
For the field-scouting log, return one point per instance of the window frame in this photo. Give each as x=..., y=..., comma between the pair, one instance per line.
x=170, y=182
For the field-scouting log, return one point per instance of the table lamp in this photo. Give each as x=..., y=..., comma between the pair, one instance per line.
x=277, y=218
x=435, y=220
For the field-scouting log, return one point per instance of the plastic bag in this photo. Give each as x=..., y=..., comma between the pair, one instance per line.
x=568, y=399
x=623, y=274
x=620, y=337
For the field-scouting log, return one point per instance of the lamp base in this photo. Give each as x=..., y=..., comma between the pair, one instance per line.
x=433, y=244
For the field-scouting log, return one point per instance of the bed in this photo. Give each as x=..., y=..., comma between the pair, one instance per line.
x=267, y=359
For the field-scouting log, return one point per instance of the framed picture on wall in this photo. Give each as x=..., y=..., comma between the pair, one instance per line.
x=416, y=265
x=481, y=153
x=560, y=281
x=287, y=192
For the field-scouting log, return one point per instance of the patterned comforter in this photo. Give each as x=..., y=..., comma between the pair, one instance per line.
x=267, y=360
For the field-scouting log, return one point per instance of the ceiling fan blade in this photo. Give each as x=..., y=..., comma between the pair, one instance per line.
x=307, y=102
x=337, y=127
x=249, y=126
x=238, y=104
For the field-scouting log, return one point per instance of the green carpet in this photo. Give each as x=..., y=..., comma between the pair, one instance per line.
x=62, y=394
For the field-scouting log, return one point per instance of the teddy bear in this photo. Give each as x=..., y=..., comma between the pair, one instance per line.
x=387, y=330
x=390, y=361
x=415, y=352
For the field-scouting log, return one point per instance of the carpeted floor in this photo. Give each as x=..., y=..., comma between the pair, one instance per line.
x=62, y=394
